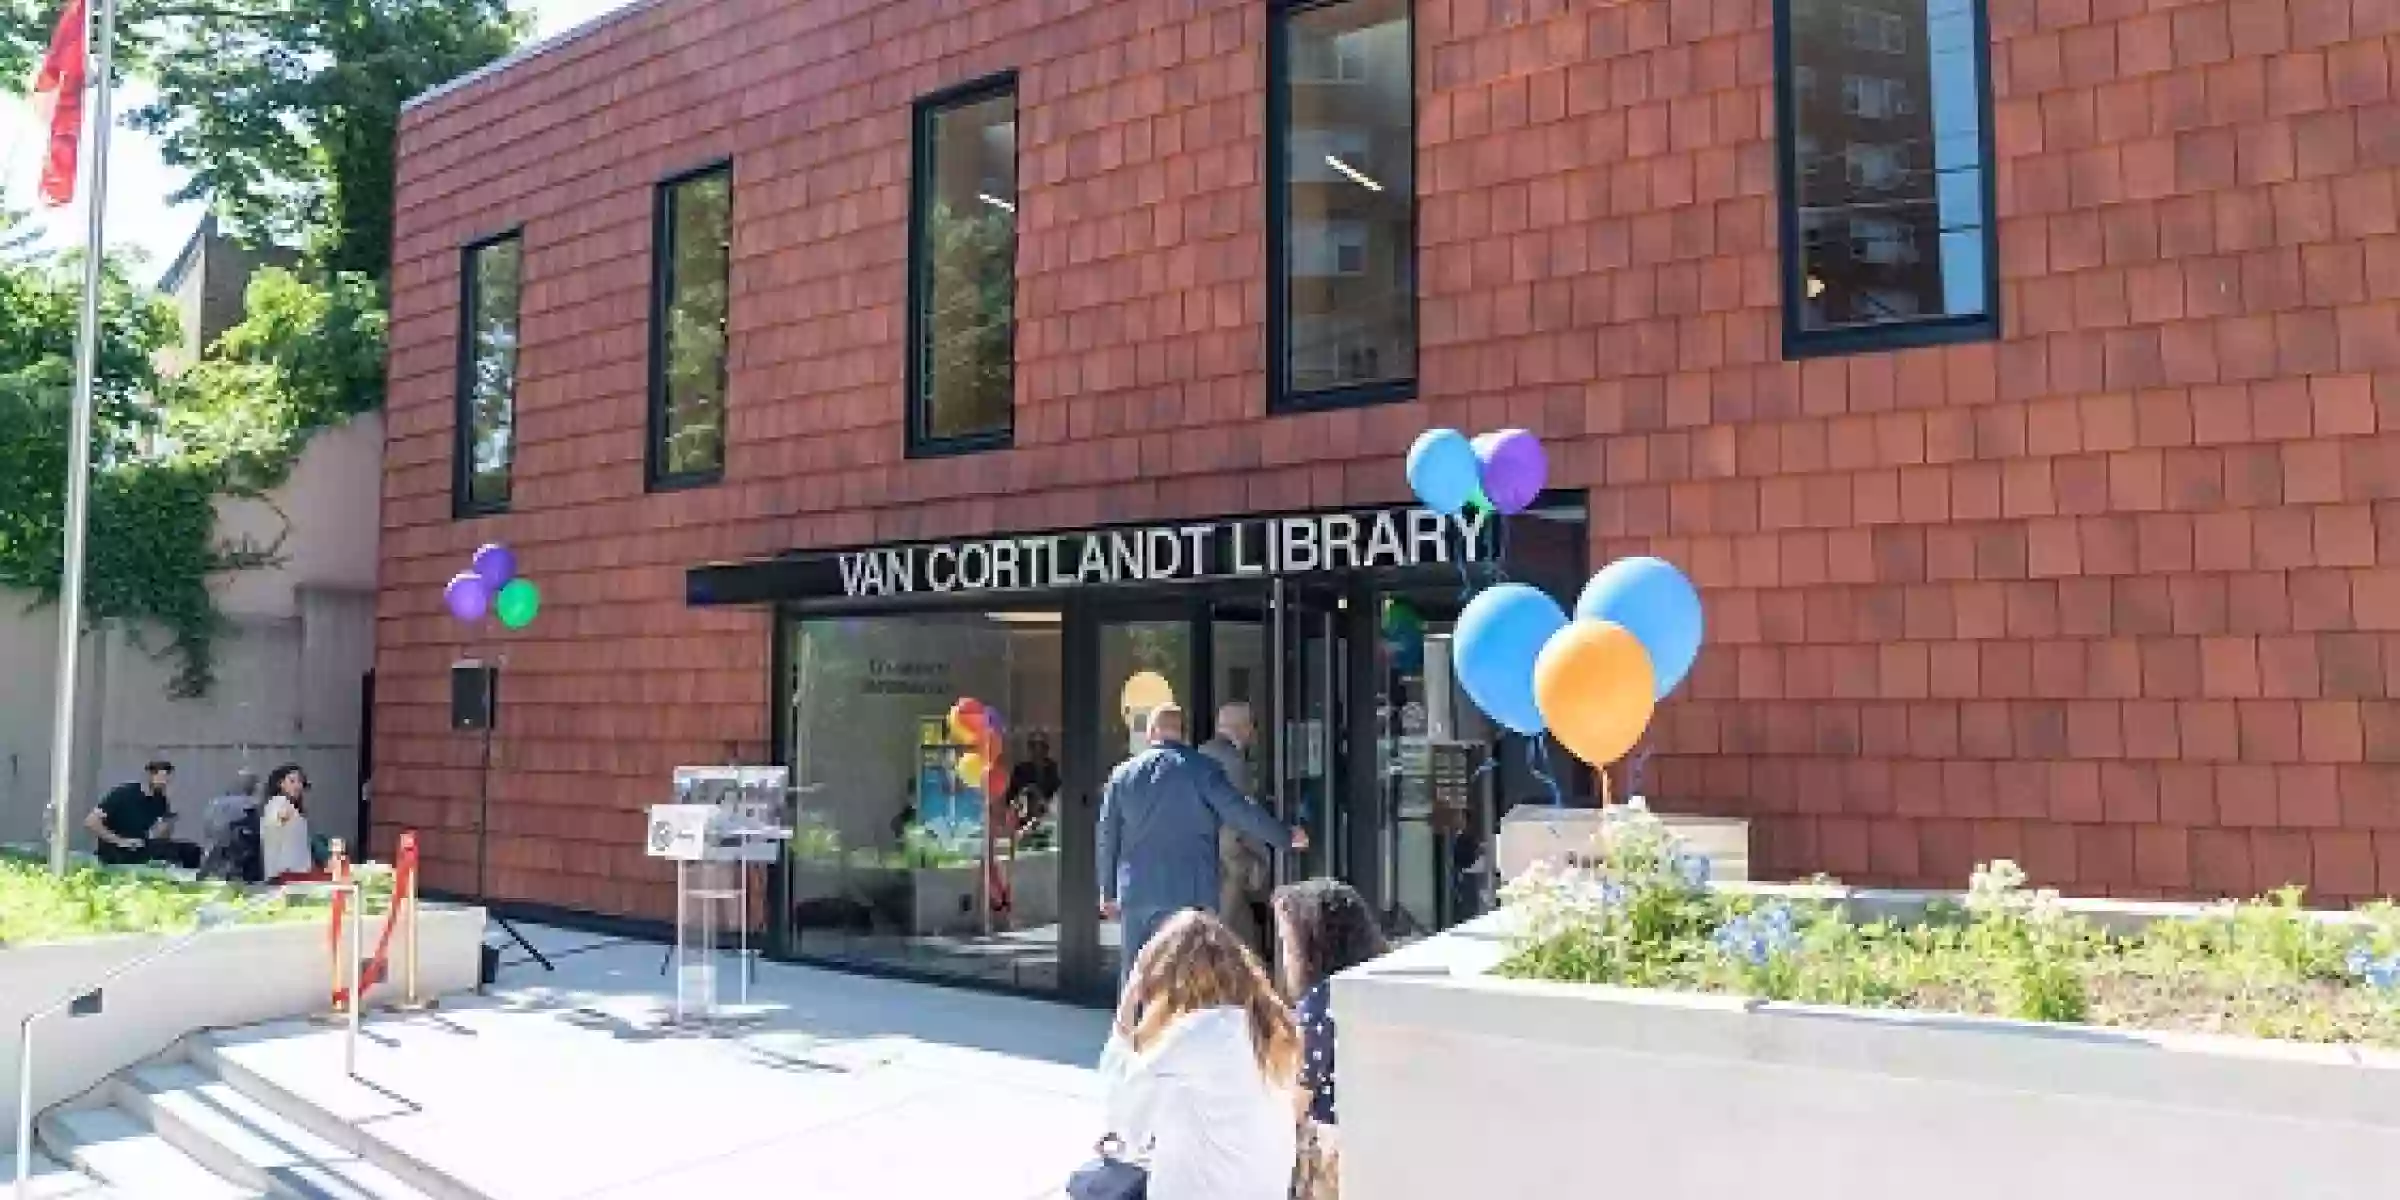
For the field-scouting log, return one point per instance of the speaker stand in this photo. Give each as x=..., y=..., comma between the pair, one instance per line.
x=483, y=844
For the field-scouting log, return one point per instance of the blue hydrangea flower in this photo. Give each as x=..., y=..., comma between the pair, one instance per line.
x=1756, y=937
x=2381, y=972
x=1691, y=868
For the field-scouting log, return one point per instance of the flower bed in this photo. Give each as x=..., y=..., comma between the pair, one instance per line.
x=37, y=907
x=1642, y=917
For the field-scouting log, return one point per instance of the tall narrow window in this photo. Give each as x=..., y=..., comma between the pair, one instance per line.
x=1886, y=168
x=962, y=377
x=1341, y=159
x=694, y=255
x=490, y=279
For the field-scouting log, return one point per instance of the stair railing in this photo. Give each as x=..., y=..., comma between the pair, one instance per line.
x=211, y=918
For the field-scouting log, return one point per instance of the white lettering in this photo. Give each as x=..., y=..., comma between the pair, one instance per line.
x=1197, y=537
x=1383, y=543
x=859, y=577
x=1300, y=550
x=975, y=566
x=1243, y=564
x=1094, y=565
x=1004, y=565
x=1052, y=560
x=1165, y=554
x=1472, y=529
x=1341, y=541
x=1127, y=555
x=941, y=568
x=1425, y=541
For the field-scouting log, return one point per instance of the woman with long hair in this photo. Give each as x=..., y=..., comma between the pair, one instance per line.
x=1200, y=1067
x=284, y=849
x=1323, y=927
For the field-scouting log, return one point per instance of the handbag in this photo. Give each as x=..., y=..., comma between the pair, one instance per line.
x=1110, y=1175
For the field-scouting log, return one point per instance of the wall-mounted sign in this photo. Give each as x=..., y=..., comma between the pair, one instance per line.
x=1260, y=546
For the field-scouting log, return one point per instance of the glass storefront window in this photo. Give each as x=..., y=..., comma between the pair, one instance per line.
x=897, y=860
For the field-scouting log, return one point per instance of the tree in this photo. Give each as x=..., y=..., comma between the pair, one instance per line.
x=305, y=357
x=285, y=111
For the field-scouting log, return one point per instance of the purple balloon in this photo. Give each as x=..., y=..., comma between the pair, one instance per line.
x=468, y=595
x=497, y=564
x=1514, y=468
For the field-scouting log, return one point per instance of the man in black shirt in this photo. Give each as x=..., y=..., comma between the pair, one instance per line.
x=132, y=822
x=1033, y=783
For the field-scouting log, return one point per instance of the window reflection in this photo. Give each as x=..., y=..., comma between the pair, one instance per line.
x=890, y=860
x=1887, y=162
x=965, y=261
x=488, y=375
x=698, y=227
x=1349, y=195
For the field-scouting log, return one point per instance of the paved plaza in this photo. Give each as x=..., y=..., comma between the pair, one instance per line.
x=567, y=1085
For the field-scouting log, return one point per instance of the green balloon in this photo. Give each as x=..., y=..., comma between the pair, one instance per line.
x=517, y=603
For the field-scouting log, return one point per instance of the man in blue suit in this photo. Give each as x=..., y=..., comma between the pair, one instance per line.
x=1159, y=818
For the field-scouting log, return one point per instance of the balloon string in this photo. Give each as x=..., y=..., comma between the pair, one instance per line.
x=1466, y=583
x=1537, y=760
x=1499, y=547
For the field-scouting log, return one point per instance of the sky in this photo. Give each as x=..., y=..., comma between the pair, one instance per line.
x=139, y=219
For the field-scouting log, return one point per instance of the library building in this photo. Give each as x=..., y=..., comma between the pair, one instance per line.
x=2019, y=383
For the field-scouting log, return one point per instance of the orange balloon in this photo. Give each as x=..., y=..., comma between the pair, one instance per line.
x=1596, y=689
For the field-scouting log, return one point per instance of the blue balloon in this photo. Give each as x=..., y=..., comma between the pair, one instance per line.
x=1657, y=605
x=1499, y=635
x=1443, y=470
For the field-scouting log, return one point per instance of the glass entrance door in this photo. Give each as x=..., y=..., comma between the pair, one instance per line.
x=1304, y=729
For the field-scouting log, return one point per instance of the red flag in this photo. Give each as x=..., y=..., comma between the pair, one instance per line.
x=58, y=90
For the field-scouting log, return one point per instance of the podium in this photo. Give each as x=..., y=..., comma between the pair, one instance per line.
x=713, y=845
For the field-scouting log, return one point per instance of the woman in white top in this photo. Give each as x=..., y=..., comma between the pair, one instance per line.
x=283, y=844
x=1201, y=1066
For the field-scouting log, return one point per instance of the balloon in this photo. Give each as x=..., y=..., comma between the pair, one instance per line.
x=966, y=722
x=1499, y=635
x=1657, y=605
x=496, y=563
x=971, y=768
x=468, y=596
x=995, y=780
x=517, y=603
x=1593, y=684
x=1514, y=468
x=1443, y=470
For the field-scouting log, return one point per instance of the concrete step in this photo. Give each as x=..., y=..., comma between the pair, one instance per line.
x=244, y=1139
x=51, y=1181
x=343, y=1133
x=114, y=1147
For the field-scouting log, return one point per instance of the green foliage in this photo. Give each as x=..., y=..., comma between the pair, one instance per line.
x=151, y=545
x=2269, y=968
x=90, y=901
x=305, y=357
x=970, y=306
x=286, y=111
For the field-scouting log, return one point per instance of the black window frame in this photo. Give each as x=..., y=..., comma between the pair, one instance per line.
x=463, y=503
x=1799, y=343
x=1281, y=397
x=920, y=441
x=655, y=477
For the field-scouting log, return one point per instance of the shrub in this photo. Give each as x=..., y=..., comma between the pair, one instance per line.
x=1643, y=916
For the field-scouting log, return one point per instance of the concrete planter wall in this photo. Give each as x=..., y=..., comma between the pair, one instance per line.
x=235, y=976
x=1455, y=1083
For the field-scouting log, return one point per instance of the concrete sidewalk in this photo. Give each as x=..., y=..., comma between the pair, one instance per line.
x=566, y=1085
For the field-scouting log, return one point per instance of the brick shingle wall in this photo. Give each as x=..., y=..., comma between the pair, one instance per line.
x=2118, y=595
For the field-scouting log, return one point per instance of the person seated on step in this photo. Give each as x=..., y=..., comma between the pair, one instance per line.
x=133, y=823
x=286, y=853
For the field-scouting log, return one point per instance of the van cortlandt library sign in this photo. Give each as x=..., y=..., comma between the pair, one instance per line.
x=1188, y=550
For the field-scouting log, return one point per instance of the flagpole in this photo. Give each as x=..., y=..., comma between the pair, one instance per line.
x=79, y=452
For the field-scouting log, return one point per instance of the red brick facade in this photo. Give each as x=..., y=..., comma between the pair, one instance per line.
x=2117, y=595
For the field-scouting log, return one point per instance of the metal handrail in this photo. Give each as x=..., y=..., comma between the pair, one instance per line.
x=211, y=918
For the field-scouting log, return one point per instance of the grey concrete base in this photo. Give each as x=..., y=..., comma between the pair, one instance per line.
x=1456, y=1083
x=231, y=977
